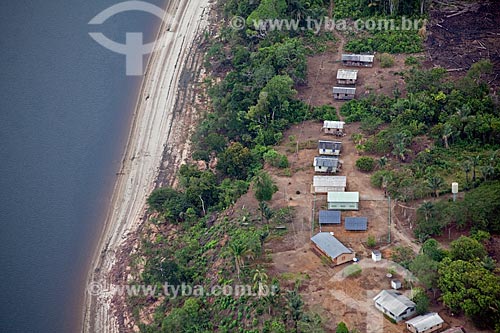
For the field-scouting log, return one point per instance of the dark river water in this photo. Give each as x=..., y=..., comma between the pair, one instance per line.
x=65, y=106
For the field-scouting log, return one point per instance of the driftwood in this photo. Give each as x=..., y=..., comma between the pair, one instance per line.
x=455, y=69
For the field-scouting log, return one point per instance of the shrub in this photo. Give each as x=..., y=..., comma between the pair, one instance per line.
x=386, y=60
x=275, y=159
x=411, y=60
x=371, y=241
x=421, y=300
x=365, y=164
x=325, y=112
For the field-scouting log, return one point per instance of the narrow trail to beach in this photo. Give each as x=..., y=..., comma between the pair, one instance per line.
x=152, y=130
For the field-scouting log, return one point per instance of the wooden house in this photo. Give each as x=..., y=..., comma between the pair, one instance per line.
x=344, y=93
x=334, y=127
x=329, y=147
x=395, y=305
x=358, y=60
x=430, y=322
x=347, y=76
x=329, y=246
x=326, y=164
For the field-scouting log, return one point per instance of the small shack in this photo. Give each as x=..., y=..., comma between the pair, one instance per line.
x=326, y=164
x=344, y=93
x=334, y=127
x=394, y=304
x=395, y=284
x=343, y=200
x=427, y=323
x=356, y=223
x=326, y=244
x=347, y=76
x=329, y=147
x=329, y=217
x=325, y=184
x=357, y=60
x=376, y=255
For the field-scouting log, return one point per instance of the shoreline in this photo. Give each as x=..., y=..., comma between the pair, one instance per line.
x=150, y=134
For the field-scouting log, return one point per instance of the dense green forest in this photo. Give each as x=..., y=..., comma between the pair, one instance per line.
x=440, y=131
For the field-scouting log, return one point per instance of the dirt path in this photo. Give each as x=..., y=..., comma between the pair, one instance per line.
x=153, y=132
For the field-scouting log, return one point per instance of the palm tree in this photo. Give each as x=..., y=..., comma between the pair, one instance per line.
x=435, y=183
x=447, y=133
x=259, y=277
x=467, y=166
x=400, y=141
x=488, y=171
x=238, y=250
x=297, y=9
x=382, y=162
x=475, y=162
x=427, y=209
x=294, y=306
x=400, y=151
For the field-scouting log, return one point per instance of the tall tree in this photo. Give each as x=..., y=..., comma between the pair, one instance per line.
x=264, y=186
x=468, y=287
x=295, y=305
x=466, y=248
x=435, y=183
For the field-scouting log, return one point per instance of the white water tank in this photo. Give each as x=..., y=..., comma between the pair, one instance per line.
x=454, y=188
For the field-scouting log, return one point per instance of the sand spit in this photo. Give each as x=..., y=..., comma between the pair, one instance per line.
x=151, y=130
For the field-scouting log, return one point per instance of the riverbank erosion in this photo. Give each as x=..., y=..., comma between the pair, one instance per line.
x=158, y=143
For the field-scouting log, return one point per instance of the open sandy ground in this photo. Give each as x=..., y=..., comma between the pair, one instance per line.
x=154, y=131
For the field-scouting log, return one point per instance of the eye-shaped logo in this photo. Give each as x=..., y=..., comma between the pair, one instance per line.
x=134, y=47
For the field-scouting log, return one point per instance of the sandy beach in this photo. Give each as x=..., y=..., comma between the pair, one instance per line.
x=154, y=132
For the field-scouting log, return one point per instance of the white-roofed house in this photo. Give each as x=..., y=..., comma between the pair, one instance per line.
x=347, y=76
x=325, y=184
x=394, y=304
x=343, y=200
x=357, y=60
x=334, y=127
x=343, y=93
x=427, y=323
x=326, y=244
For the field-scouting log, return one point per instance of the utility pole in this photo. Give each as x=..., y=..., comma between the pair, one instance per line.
x=389, y=234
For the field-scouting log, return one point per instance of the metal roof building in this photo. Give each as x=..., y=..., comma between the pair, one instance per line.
x=394, y=304
x=326, y=164
x=429, y=322
x=329, y=217
x=358, y=60
x=343, y=200
x=347, y=76
x=325, y=184
x=333, y=124
x=356, y=223
x=329, y=147
x=343, y=93
x=333, y=127
x=331, y=247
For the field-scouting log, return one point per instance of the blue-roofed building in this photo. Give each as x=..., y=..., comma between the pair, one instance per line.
x=329, y=217
x=326, y=244
x=356, y=223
